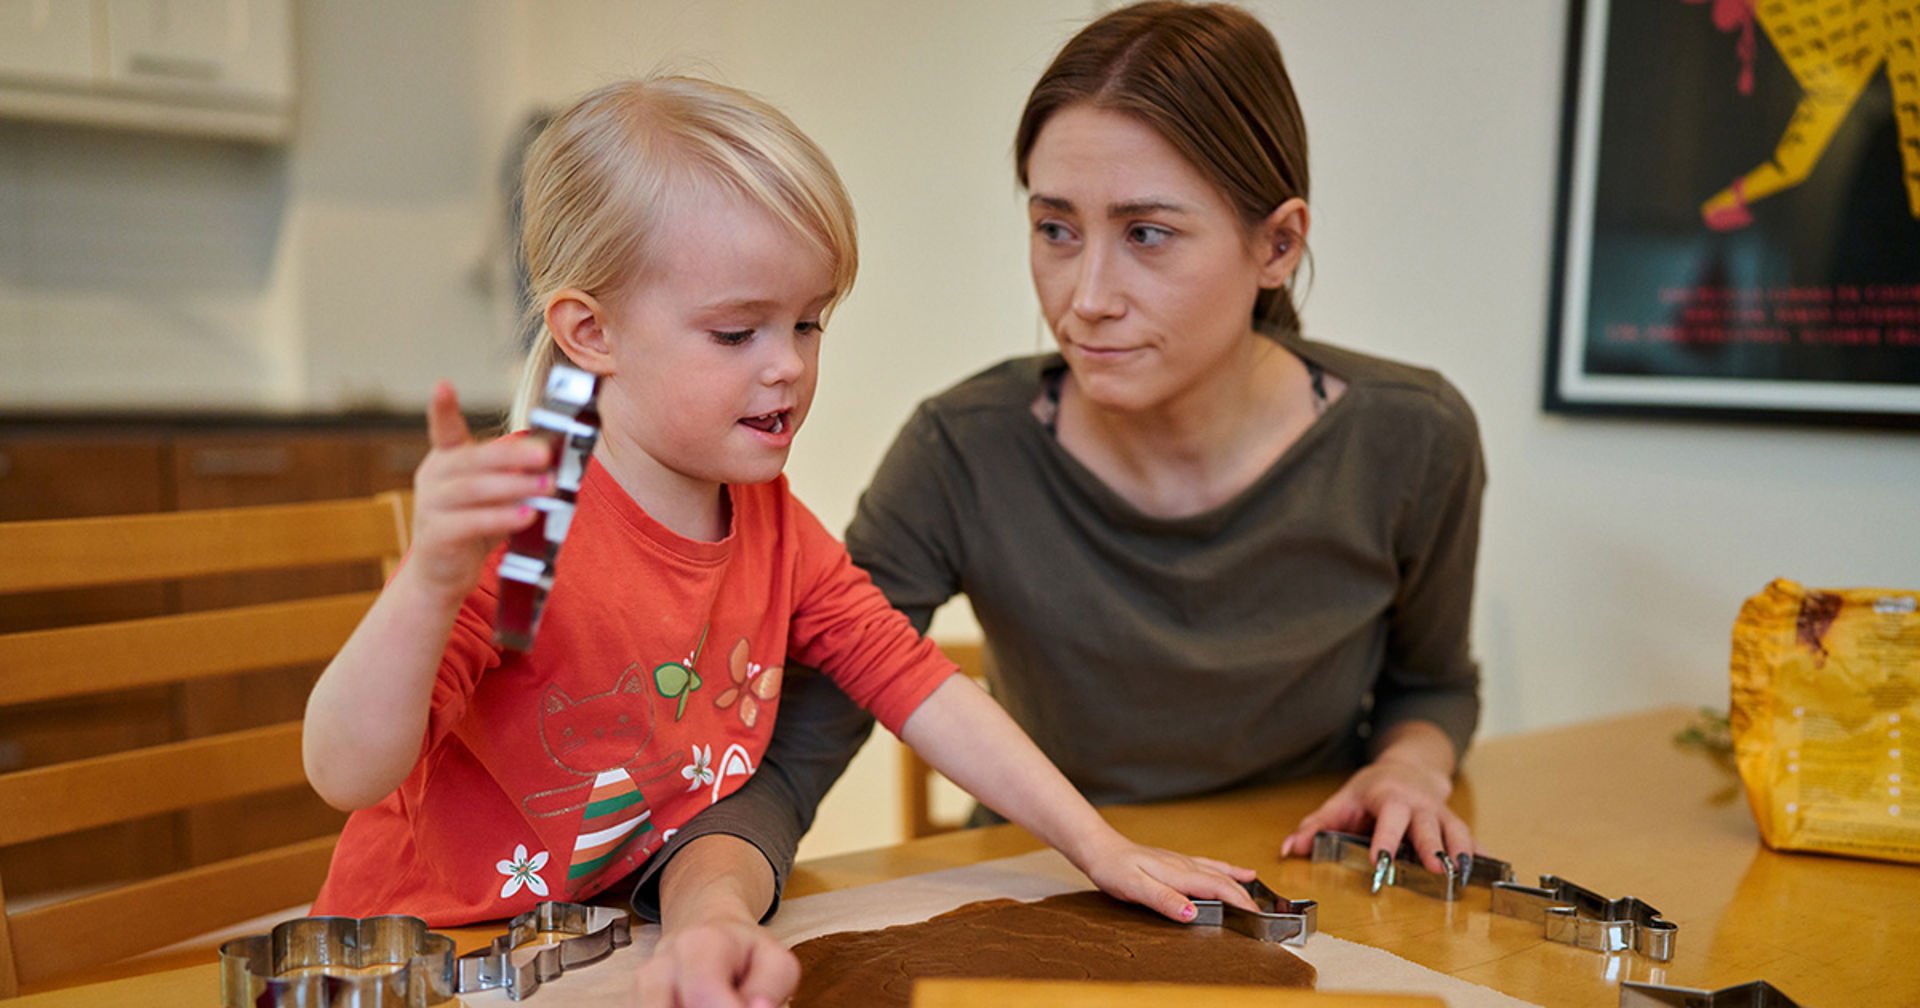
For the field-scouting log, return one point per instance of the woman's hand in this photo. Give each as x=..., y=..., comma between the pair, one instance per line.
x=724, y=961
x=1162, y=880
x=468, y=496
x=1403, y=794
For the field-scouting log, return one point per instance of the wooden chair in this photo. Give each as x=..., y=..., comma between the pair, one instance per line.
x=60, y=799
x=916, y=777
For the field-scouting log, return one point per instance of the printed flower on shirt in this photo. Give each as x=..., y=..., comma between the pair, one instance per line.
x=750, y=680
x=522, y=871
x=700, y=771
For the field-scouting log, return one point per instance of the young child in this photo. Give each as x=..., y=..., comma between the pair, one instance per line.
x=685, y=243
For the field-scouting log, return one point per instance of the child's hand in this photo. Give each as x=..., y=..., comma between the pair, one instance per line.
x=720, y=963
x=1162, y=880
x=468, y=496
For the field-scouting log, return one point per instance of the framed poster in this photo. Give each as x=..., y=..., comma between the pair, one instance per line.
x=1739, y=213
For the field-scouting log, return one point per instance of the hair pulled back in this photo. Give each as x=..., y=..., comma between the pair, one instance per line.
x=1207, y=78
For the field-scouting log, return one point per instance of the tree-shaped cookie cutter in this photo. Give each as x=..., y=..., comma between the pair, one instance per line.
x=509, y=964
x=1578, y=916
x=568, y=421
x=1404, y=870
x=339, y=962
x=1279, y=919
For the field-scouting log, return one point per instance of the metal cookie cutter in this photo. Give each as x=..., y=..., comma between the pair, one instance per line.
x=594, y=932
x=1578, y=916
x=569, y=423
x=1278, y=920
x=1404, y=869
x=339, y=962
x=1758, y=994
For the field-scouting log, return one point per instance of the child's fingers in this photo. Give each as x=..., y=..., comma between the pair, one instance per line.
x=1161, y=898
x=489, y=488
x=772, y=974
x=1232, y=871
x=1204, y=884
x=446, y=426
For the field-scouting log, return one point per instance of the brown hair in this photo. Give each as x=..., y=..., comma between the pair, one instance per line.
x=599, y=179
x=1209, y=79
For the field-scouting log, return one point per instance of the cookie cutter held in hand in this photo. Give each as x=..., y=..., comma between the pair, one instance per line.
x=1403, y=869
x=337, y=962
x=568, y=422
x=506, y=964
x=1278, y=920
x=1578, y=916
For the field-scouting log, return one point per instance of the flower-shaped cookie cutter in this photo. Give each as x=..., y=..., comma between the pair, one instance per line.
x=515, y=964
x=339, y=962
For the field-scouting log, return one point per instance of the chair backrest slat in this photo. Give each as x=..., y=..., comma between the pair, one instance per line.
x=180, y=648
x=63, y=937
x=84, y=552
x=82, y=794
x=218, y=660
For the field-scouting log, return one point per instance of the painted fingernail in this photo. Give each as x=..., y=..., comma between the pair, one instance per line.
x=1187, y=912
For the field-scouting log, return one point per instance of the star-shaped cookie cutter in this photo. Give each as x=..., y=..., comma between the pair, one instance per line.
x=593, y=932
x=1578, y=916
x=1404, y=870
x=1279, y=919
x=338, y=962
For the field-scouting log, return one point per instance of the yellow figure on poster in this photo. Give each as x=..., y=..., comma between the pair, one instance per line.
x=1833, y=48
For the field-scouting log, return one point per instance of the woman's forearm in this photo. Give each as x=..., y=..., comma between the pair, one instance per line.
x=1417, y=743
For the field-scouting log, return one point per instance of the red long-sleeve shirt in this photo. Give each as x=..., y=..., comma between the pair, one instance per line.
x=649, y=694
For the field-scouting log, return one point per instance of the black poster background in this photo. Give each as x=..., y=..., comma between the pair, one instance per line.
x=1823, y=286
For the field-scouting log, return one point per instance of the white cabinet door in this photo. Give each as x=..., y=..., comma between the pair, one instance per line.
x=47, y=41
x=236, y=48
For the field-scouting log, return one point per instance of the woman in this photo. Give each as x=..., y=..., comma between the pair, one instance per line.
x=1205, y=551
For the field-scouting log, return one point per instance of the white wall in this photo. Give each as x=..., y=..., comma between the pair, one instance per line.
x=1615, y=553
x=346, y=268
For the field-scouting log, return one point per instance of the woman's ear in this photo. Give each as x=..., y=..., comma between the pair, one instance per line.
x=577, y=321
x=1281, y=242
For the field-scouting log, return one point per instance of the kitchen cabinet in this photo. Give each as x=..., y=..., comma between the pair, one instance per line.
x=220, y=68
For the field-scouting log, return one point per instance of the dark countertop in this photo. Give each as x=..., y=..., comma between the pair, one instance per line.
x=206, y=420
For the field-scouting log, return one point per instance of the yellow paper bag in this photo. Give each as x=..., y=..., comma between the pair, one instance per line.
x=1826, y=701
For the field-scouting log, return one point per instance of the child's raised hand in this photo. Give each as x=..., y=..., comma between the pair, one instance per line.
x=468, y=496
x=1165, y=881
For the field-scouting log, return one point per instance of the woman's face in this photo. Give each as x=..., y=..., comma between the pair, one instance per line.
x=1145, y=273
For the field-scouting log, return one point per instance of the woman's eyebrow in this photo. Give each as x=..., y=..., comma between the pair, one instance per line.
x=1151, y=204
x=1127, y=208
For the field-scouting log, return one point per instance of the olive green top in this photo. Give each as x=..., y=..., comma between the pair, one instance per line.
x=1152, y=658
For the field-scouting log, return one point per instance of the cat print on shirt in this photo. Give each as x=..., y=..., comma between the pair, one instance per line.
x=598, y=738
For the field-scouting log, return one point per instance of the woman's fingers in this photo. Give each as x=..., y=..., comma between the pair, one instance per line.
x=1389, y=828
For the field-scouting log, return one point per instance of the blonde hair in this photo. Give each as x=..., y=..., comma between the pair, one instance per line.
x=600, y=178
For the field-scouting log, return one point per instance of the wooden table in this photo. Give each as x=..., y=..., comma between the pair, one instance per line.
x=1613, y=805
